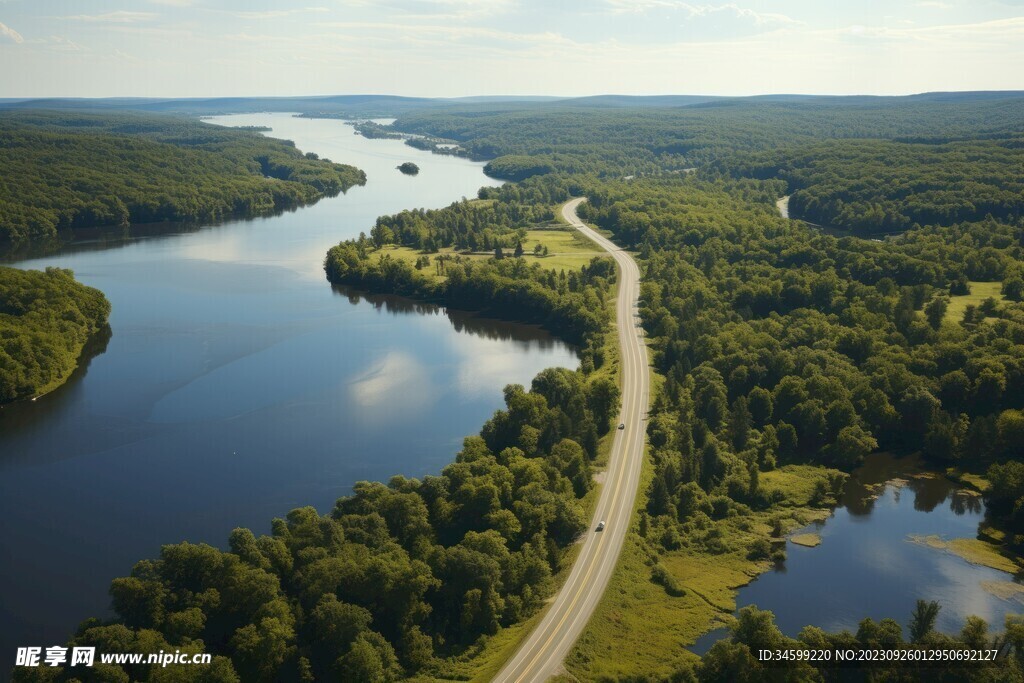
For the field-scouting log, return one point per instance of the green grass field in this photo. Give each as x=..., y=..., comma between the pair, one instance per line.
x=979, y=292
x=567, y=250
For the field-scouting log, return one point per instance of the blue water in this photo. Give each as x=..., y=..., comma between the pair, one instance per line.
x=869, y=566
x=237, y=384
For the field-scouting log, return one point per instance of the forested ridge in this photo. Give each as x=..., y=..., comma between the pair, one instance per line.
x=521, y=141
x=46, y=319
x=873, y=186
x=785, y=355
x=70, y=170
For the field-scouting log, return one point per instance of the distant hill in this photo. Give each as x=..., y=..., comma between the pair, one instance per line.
x=639, y=100
x=353, y=105
x=370, y=105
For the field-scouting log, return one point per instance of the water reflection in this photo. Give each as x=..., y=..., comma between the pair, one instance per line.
x=33, y=417
x=462, y=321
x=868, y=565
x=102, y=238
x=929, y=488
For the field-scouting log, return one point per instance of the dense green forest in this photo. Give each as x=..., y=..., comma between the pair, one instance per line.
x=872, y=186
x=64, y=171
x=780, y=344
x=46, y=319
x=523, y=141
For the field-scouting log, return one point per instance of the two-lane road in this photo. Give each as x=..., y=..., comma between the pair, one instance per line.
x=543, y=652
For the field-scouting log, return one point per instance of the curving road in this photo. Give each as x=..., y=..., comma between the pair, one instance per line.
x=542, y=653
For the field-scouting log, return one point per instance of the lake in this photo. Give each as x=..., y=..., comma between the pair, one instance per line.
x=237, y=385
x=868, y=564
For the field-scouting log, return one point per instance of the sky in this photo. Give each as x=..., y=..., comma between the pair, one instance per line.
x=446, y=48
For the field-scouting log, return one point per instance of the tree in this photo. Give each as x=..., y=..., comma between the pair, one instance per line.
x=381, y=235
x=498, y=253
x=935, y=311
x=260, y=649
x=761, y=404
x=568, y=458
x=417, y=649
x=1013, y=288
x=922, y=620
x=603, y=399
x=519, y=250
x=975, y=633
x=739, y=424
x=945, y=436
x=337, y=624
x=1010, y=427
x=362, y=662
x=1006, y=489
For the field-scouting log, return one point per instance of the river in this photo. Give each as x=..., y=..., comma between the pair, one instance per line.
x=238, y=385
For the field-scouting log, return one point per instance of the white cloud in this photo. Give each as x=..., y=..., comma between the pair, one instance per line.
x=459, y=47
x=691, y=10
x=978, y=34
x=118, y=17
x=934, y=4
x=271, y=14
x=455, y=9
x=10, y=34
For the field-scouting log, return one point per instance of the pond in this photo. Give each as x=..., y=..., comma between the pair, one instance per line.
x=875, y=559
x=237, y=384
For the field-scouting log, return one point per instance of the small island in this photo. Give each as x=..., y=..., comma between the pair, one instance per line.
x=409, y=168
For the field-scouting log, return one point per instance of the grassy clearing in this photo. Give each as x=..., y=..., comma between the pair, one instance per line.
x=795, y=483
x=567, y=250
x=968, y=479
x=979, y=292
x=973, y=550
x=806, y=540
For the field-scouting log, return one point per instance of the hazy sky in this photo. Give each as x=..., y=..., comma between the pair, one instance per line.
x=480, y=47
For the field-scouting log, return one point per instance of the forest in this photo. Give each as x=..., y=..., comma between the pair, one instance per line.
x=784, y=356
x=520, y=141
x=65, y=171
x=46, y=319
x=885, y=186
